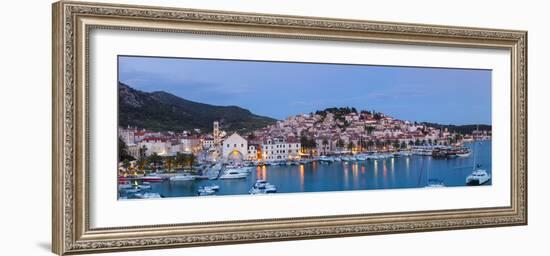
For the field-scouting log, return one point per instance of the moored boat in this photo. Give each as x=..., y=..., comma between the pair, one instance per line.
x=233, y=174
x=147, y=195
x=478, y=177
x=152, y=178
x=184, y=177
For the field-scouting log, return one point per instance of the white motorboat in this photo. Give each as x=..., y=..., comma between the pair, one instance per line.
x=147, y=195
x=125, y=186
x=132, y=190
x=361, y=157
x=435, y=183
x=463, y=152
x=262, y=187
x=213, y=187
x=184, y=177
x=402, y=154
x=326, y=159
x=205, y=191
x=144, y=186
x=233, y=174
x=478, y=177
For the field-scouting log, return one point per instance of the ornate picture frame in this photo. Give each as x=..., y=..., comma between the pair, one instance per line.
x=72, y=23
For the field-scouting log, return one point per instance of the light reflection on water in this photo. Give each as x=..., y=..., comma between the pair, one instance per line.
x=404, y=172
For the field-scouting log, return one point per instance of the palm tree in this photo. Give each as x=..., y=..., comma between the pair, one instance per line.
x=155, y=160
x=141, y=164
x=179, y=161
x=169, y=162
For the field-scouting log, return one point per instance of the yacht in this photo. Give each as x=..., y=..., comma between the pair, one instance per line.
x=233, y=174
x=478, y=177
x=184, y=177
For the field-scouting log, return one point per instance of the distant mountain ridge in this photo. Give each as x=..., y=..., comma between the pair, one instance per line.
x=162, y=111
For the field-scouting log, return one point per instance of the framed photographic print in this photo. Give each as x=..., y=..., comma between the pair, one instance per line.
x=179, y=127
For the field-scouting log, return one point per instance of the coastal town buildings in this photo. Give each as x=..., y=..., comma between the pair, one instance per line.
x=338, y=131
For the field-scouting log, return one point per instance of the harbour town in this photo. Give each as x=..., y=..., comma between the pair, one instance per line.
x=335, y=149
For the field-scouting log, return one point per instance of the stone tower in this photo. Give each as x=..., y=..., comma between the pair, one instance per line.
x=216, y=134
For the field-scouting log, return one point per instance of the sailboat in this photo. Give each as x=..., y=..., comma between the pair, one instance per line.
x=479, y=176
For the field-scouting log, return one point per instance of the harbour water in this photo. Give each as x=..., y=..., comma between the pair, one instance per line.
x=391, y=173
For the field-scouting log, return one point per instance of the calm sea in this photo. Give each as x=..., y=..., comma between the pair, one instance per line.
x=391, y=173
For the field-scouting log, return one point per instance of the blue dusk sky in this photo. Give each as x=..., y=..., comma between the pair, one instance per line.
x=281, y=89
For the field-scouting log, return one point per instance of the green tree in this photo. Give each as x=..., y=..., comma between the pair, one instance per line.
x=143, y=151
x=169, y=162
x=395, y=144
x=123, y=153
x=403, y=145
x=142, y=164
x=189, y=160
x=155, y=160
x=126, y=164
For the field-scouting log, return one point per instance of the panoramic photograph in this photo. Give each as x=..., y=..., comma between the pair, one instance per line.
x=210, y=127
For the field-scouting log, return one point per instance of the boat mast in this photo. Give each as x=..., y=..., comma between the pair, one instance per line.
x=474, y=148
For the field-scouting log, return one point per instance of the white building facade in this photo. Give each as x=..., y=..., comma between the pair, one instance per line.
x=279, y=150
x=235, y=148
